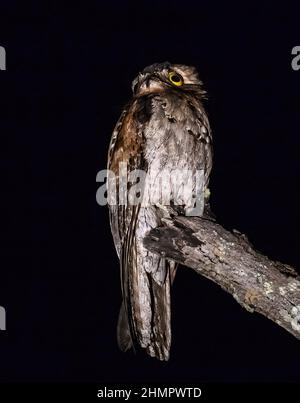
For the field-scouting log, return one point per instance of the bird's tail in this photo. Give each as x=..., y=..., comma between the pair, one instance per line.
x=145, y=315
x=160, y=343
x=123, y=331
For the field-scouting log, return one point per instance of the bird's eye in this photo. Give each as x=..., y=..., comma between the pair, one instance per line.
x=175, y=78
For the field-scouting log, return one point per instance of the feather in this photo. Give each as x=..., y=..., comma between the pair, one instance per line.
x=161, y=128
x=123, y=331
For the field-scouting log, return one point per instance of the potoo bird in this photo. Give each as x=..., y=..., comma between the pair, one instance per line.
x=163, y=131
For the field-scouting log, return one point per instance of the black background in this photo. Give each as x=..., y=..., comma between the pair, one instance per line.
x=69, y=72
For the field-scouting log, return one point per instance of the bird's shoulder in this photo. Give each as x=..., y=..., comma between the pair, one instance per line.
x=127, y=140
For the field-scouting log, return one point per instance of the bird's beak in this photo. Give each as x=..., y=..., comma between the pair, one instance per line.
x=148, y=78
x=144, y=81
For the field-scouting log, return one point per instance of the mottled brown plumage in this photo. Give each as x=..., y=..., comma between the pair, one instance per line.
x=164, y=127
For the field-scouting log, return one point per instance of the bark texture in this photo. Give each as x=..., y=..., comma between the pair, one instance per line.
x=227, y=258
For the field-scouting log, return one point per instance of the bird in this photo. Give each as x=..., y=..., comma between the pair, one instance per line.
x=163, y=128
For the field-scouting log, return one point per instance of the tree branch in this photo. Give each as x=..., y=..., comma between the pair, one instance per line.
x=256, y=282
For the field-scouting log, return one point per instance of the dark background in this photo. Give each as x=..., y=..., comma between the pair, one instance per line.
x=69, y=72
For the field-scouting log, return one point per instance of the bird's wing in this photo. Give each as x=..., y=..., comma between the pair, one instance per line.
x=145, y=314
x=125, y=147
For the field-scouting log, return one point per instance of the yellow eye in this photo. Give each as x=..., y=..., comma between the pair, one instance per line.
x=175, y=78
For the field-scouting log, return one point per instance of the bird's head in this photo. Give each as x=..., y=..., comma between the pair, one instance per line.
x=162, y=76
